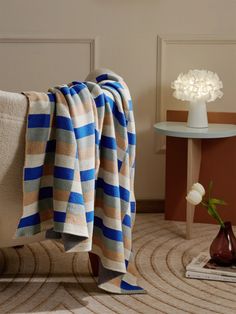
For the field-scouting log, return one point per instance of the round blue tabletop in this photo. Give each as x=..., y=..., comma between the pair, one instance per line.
x=180, y=129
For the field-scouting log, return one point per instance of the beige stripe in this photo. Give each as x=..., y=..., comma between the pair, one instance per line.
x=124, y=170
x=65, y=149
x=107, y=262
x=33, y=148
x=83, y=109
x=31, y=197
x=78, y=220
x=114, y=256
x=86, y=153
x=121, y=142
x=34, y=96
x=109, y=165
x=60, y=195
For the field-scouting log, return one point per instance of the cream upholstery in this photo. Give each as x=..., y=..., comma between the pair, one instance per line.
x=13, y=110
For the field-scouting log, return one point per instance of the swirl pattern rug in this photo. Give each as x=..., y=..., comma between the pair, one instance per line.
x=41, y=278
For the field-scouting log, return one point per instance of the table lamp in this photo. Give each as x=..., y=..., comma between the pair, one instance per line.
x=197, y=87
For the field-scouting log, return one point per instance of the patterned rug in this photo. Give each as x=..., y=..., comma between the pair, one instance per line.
x=40, y=278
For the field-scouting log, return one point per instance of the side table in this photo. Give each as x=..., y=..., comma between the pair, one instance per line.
x=194, y=136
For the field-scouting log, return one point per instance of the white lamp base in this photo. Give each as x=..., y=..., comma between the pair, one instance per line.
x=197, y=115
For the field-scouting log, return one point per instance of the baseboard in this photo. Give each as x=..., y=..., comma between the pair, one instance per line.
x=150, y=206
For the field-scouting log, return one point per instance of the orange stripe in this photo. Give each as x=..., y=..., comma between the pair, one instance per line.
x=65, y=149
x=108, y=165
x=30, y=197
x=35, y=148
x=60, y=195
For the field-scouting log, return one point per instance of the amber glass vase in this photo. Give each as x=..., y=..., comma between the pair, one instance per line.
x=223, y=247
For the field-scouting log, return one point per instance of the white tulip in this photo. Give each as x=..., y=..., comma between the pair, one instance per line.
x=194, y=197
x=199, y=188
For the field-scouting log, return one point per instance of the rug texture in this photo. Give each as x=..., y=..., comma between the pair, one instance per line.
x=41, y=278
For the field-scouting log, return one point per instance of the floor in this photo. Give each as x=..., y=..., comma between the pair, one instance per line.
x=40, y=278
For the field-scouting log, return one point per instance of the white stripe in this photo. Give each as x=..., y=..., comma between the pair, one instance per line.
x=30, y=209
x=81, y=120
x=40, y=107
x=86, y=142
x=87, y=163
x=109, y=177
x=64, y=161
x=34, y=160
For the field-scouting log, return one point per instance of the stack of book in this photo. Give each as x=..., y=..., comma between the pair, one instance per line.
x=203, y=267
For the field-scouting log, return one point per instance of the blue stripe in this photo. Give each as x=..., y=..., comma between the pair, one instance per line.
x=59, y=216
x=51, y=146
x=73, y=91
x=78, y=86
x=87, y=175
x=100, y=100
x=119, y=164
x=64, y=123
x=124, y=194
x=63, y=173
x=108, y=232
x=108, y=188
x=127, y=221
x=65, y=90
x=38, y=120
x=108, y=142
x=29, y=221
x=46, y=192
x=102, y=77
x=126, y=286
x=85, y=130
x=113, y=190
x=96, y=137
x=120, y=116
x=52, y=97
x=76, y=198
x=131, y=138
x=114, y=85
x=133, y=207
x=33, y=173
x=90, y=216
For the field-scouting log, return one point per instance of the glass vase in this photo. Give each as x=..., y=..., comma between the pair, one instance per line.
x=223, y=247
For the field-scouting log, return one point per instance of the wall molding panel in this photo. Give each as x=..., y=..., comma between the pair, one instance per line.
x=45, y=50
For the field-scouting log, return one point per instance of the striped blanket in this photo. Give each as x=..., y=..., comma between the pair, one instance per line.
x=79, y=173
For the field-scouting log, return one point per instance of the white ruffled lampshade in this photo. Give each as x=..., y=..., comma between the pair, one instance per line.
x=197, y=87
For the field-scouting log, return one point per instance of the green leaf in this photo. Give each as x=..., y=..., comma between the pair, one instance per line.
x=213, y=212
x=218, y=201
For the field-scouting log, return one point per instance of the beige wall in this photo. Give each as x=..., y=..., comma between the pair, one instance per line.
x=126, y=41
